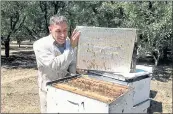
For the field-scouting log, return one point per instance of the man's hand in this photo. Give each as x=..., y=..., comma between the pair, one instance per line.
x=74, y=38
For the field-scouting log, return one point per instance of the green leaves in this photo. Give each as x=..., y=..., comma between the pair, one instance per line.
x=153, y=19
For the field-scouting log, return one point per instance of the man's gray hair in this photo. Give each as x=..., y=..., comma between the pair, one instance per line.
x=57, y=19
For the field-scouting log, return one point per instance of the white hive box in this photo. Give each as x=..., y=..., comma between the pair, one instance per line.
x=106, y=54
x=99, y=97
x=140, y=81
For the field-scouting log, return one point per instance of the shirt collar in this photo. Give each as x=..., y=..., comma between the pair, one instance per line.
x=54, y=42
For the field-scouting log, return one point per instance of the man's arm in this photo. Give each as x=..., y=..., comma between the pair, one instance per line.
x=47, y=59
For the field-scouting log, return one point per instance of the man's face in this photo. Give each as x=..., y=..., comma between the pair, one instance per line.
x=59, y=32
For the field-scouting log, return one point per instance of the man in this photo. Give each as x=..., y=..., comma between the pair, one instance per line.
x=55, y=55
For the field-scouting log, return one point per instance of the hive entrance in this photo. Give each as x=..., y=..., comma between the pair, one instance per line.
x=92, y=88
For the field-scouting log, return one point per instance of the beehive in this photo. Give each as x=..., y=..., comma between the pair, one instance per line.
x=105, y=50
x=103, y=91
x=83, y=94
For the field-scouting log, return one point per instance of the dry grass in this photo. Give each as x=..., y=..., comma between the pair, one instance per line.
x=19, y=91
x=161, y=95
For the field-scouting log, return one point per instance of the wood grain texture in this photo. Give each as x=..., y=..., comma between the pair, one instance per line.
x=105, y=49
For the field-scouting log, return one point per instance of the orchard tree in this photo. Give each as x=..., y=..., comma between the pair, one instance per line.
x=13, y=17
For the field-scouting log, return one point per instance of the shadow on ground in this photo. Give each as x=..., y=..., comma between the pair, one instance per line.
x=155, y=106
x=153, y=94
x=162, y=73
x=20, y=59
x=21, y=47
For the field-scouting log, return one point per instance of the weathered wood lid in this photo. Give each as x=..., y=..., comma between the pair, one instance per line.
x=105, y=49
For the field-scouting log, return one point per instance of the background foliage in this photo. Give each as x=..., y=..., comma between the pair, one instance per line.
x=29, y=20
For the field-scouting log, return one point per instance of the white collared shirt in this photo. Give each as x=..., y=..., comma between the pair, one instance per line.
x=51, y=63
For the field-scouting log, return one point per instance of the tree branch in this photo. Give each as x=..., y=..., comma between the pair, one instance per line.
x=20, y=25
x=30, y=32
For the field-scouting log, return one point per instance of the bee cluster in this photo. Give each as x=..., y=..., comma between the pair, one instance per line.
x=93, y=87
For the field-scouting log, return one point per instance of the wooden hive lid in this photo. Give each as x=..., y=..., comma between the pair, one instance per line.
x=105, y=49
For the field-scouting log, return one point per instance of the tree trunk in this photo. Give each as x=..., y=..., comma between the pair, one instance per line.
x=31, y=33
x=165, y=53
x=156, y=61
x=19, y=45
x=18, y=42
x=43, y=6
x=70, y=30
x=70, y=24
x=156, y=56
x=55, y=3
x=7, y=47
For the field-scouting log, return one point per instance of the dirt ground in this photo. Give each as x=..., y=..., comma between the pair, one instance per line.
x=19, y=90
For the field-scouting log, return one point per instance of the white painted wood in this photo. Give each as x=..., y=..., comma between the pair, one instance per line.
x=105, y=49
x=134, y=101
x=108, y=79
x=141, y=90
x=142, y=107
x=141, y=87
x=123, y=104
x=143, y=71
x=60, y=101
